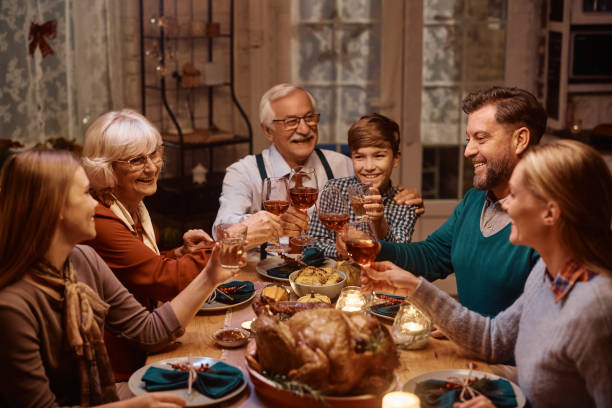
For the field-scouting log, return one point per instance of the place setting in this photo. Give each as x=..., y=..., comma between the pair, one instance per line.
x=200, y=381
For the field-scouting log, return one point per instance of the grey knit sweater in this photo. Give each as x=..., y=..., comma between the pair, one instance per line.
x=563, y=350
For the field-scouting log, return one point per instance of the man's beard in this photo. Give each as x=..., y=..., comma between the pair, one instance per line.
x=498, y=171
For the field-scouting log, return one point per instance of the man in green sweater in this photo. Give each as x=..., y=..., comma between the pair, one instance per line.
x=473, y=243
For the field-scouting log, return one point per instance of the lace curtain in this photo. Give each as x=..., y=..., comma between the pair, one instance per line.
x=60, y=94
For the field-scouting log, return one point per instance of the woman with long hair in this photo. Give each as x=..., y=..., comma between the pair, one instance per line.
x=56, y=297
x=560, y=329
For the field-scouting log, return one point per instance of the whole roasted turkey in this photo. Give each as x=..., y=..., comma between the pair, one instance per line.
x=335, y=352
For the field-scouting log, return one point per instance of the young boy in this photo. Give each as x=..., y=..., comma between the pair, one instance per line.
x=374, y=144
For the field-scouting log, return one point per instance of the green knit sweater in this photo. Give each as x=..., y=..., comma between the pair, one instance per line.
x=490, y=271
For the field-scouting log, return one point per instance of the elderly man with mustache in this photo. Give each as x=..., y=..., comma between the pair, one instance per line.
x=289, y=118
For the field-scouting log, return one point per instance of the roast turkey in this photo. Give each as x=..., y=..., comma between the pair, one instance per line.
x=335, y=352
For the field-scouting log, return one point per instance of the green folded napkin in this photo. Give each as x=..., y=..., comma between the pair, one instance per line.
x=387, y=310
x=434, y=394
x=238, y=291
x=311, y=257
x=219, y=380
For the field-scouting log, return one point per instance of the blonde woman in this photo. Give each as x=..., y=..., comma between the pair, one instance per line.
x=56, y=297
x=560, y=329
x=123, y=158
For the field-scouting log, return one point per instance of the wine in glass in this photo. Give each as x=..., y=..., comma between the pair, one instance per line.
x=303, y=191
x=275, y=197
x=360, y=240
x=332, y=208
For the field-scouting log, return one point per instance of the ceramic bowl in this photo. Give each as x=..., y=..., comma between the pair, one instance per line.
x=331, y=291
x=231, y=337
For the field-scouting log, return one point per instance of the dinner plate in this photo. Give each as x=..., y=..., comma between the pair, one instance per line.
x=382, y=316
x=443, y=375
x=216, y=306
x=195, y=399
x=274, y=261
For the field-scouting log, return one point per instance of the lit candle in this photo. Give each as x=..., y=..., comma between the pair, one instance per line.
x=413, y=327
x=351, y=299
x=399, y=399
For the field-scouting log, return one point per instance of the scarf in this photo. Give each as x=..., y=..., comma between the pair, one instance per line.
x=148, y=237
x=84, y=314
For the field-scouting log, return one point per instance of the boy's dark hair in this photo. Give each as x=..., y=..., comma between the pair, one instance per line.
x=374, y=130
x=514, y=107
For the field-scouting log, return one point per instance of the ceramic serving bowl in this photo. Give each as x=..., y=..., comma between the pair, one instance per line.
x=331, y=291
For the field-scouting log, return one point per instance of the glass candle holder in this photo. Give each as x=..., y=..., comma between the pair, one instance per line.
x=399, y=399
x=351, y=299
x=411, y=328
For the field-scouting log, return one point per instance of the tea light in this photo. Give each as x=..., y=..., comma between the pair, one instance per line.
x=400, y=399
x=351, y=299
x=410, y=328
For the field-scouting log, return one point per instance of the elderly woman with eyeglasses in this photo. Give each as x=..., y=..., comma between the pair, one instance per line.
x=123, y=157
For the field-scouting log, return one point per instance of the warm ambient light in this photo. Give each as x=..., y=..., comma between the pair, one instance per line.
x=399, y=399
x=351, y=299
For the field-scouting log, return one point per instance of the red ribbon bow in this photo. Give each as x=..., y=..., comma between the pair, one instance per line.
x=37, y=35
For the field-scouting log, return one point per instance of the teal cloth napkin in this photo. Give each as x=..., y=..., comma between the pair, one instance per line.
x=243, y=291
x=311, y=257
x=433, y=393
x=219, y=380
x=387, y=310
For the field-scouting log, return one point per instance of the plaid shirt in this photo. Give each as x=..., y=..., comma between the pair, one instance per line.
x=400, y=218
x=571, y=273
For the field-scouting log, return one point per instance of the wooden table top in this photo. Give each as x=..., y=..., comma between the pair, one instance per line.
x=197, y=341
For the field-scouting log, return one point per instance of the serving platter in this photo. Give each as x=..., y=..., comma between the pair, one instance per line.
x=276, y=396
x=196, y=399
x=443, y=375
x=382, y=316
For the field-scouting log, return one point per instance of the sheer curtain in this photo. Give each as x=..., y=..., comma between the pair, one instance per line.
x=60, y=94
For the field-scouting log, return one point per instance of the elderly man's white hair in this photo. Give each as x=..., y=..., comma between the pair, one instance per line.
x=266, y=114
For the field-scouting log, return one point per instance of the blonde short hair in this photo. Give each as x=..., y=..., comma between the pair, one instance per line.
x=116, y=135
x=576, y=177
x=266, y=114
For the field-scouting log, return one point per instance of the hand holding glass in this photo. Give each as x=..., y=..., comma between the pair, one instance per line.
x=360, y=240
x=356, y=193
x=232, y=239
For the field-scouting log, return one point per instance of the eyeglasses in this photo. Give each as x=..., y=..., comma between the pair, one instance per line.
x=292, y=122
x=139, y=162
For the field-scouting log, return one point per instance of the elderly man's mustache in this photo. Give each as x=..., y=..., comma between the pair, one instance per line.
x=301, y=138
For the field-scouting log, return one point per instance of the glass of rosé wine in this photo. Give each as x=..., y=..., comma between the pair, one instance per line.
x=303, y=192
x=333, y=208
x=360, y=240
x=275, y=198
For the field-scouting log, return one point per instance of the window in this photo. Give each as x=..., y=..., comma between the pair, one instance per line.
x=463, y=50
x=336, y=56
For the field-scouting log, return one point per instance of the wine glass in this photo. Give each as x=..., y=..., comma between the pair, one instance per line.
x=303, y=191
x=332, y=208
x=275, y=197
x=360, y=240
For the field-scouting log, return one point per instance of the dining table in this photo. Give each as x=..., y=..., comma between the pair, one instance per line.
x=438, y=354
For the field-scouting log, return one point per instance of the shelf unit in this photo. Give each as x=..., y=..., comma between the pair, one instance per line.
x=179, y=204
x=212, y=136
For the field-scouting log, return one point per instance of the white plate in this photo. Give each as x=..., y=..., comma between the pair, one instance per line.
x=215, y=306
x=274, y=261
x=443, y=375
x=195, y=399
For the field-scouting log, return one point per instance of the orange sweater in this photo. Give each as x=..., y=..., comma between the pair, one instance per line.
x=148, y=276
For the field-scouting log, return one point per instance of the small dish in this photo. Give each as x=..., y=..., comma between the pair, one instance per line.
x=231, y=337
